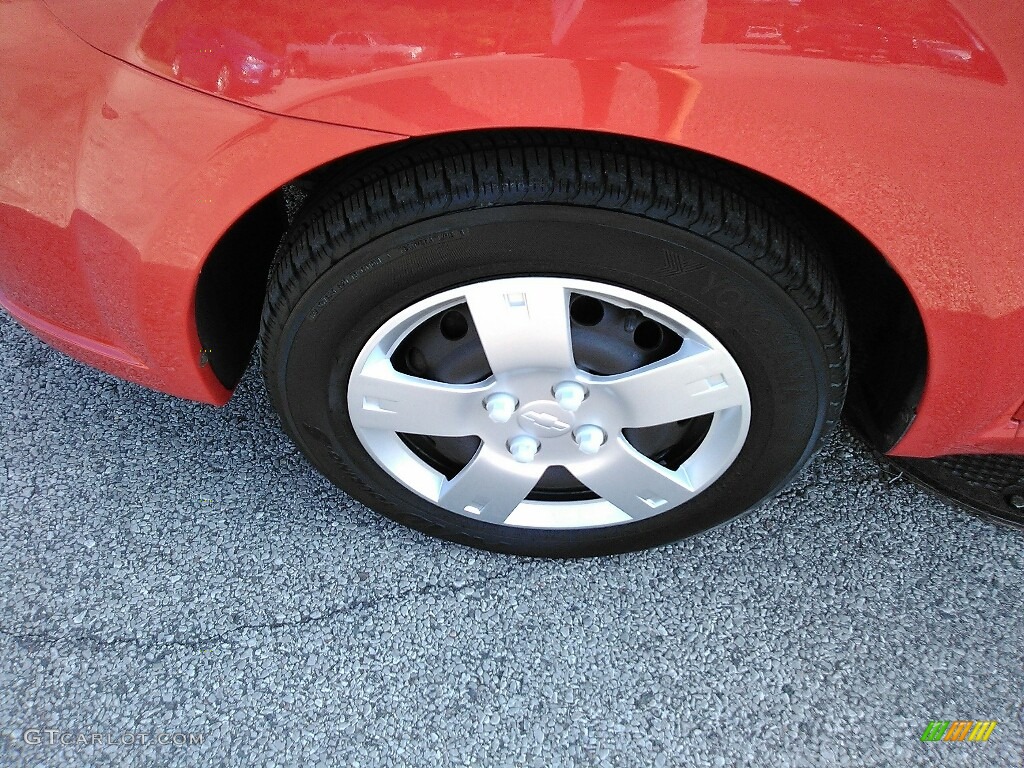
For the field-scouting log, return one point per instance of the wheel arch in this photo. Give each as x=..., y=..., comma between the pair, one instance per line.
x=888, y=344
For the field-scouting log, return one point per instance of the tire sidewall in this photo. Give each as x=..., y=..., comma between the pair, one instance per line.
x=771, y=339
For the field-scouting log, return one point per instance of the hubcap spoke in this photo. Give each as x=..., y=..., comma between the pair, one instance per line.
x=522, y=323
x=693, y=382
x=632, y=482
x=490, y=487
x=382, y=398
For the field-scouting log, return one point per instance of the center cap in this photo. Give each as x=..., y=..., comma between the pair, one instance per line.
x=545, y=418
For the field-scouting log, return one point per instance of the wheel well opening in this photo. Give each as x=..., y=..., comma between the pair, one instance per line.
x=232, y=285
x=888, y=345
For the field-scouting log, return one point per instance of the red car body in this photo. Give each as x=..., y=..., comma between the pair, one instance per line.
x=117, y=183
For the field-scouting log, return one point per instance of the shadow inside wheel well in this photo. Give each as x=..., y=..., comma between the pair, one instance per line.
x=232, y=286
x=888, y=345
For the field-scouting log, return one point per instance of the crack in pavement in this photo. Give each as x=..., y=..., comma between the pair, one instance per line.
x=29, y=640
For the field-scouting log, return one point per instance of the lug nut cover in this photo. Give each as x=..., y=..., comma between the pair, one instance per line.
x=523, y=448
x=590, y=438
x=570, y=395
x=500, y=407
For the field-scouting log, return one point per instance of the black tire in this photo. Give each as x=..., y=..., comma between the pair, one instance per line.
x=449, y=213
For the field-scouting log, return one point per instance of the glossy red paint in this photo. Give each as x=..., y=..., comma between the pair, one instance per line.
x=902, y=119
x=115, y=184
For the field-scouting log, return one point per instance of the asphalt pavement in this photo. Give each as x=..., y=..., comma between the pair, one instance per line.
x=178, y=587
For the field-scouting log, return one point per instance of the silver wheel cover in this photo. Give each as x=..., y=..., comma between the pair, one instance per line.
x=524, y=327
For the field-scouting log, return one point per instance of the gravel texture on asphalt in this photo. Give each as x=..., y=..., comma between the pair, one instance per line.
x=171, y=568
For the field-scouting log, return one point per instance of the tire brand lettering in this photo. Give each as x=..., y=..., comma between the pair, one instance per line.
x=373, y=264
x=329, y=296
x=724, y=292
x=440, y=237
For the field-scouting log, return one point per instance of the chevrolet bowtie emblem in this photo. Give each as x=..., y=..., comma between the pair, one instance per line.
x=545, y=421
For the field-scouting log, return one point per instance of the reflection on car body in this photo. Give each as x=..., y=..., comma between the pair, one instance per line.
x=348, y=51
